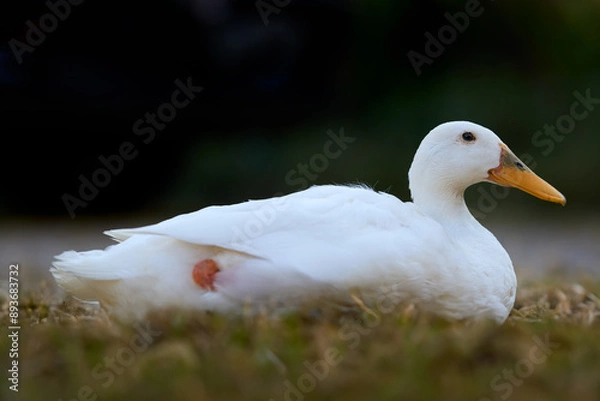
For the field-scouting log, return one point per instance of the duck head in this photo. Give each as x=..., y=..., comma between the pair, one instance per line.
x=458, y=154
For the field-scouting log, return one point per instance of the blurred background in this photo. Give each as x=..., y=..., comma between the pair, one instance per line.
x=105, y=124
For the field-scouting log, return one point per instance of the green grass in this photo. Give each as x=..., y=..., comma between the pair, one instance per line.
x=67, y=351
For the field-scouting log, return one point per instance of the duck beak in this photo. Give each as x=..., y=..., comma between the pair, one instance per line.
x=512, y=172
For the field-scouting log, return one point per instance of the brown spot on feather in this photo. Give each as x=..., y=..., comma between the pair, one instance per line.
x=204, y=273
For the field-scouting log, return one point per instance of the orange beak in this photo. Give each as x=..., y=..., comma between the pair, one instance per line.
x=512, y=172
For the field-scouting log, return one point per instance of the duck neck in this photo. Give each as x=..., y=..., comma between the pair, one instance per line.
x=444, y=205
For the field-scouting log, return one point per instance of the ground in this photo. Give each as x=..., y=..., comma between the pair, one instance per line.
x=547, y=350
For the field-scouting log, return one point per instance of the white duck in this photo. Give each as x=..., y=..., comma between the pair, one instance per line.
x=325, y=241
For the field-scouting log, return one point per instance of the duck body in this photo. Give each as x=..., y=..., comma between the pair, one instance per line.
x=324, y=242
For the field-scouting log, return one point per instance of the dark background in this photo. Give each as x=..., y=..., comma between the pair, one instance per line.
x=271, y=92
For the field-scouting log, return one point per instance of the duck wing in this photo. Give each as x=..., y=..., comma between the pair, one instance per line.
x=330, y=233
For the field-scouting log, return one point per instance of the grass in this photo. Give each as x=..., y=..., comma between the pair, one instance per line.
x=549, y=349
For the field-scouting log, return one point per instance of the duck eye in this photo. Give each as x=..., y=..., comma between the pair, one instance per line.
x=468, y=136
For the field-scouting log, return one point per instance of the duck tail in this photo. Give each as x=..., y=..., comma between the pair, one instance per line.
x=78, y=273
